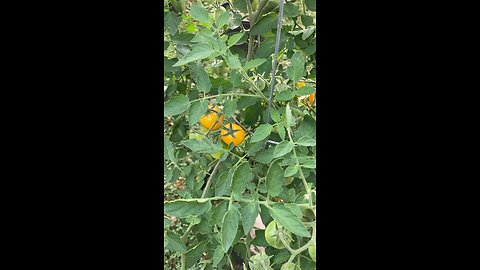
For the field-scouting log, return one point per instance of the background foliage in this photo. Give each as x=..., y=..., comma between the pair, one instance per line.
x=221, y=53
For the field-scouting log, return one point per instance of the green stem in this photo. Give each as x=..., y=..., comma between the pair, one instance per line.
x=300, y=250
x=229, y=94
x=255, y=15
x=209, y=181
x=183, y=259
x=305, y=184
x=254, y=86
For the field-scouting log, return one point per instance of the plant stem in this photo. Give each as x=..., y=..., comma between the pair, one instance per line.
x=255, y=15
x=250, y=36
x=229, y=94
x=305, y=184
x=183, y=261
x=236, y=121
x=253, y=85
x=209, y=181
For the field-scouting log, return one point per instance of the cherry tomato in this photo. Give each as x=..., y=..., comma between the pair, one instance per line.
x=209, y=119
x=311, y=98
x=234, y=133
x=271, y=235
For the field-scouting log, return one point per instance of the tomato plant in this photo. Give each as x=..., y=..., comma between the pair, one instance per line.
x=240, y=134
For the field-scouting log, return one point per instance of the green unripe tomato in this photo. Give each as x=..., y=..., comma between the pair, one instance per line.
x=290, y=266
x=260, y=84
x=271, y=235
x=312, y=250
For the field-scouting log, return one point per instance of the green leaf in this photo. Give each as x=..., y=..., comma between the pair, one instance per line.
x=307, y=128
x=198, y=52
x=217, y=255
x=275, y=179
x=234, y=39
x=244, y=102
x=223, y=19
x=253, y=147
x=249, y=213
x=281, y=257
x=193, y=255
x=285, y=217
x=219, y=212
x=176, y=105
x=199, y=13
x=240, y=179
x=235, y=22
x=311, y=4
x=190, y=28
x=285, y=95
x=308, y=32
x=229, y=108
x=184, y=208
x=266, y=156
x=304, y=91
x=267, y=47
x=197, y=110
x=240, y=5
x=275, y=115
x=296, y=70
x=291, y=170
x=289, y=120
x=203, y=81
x=204, y=35
x=262, y=132
x=307, y=20
x=168, y=153
x=254, y=63
x=229, y=228
x=281, y=130
x=172, y=22
x=259, y=239
x=282, y=149
x=265, y=24
x=290, y=10
x=204, y=146
x=232, y=61
x=306, y=141
x=175, y=243
x=311, y=164
x=223, y=183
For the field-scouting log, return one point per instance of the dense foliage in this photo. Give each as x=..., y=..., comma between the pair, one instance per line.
x=235, y=156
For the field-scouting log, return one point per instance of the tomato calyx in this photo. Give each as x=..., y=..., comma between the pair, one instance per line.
x=230, y=131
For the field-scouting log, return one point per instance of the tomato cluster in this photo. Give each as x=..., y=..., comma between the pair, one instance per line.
x=214, y=120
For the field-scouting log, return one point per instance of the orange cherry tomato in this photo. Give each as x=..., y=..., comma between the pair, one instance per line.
x=209, y=119
x=237, y=137
x=311, y=98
